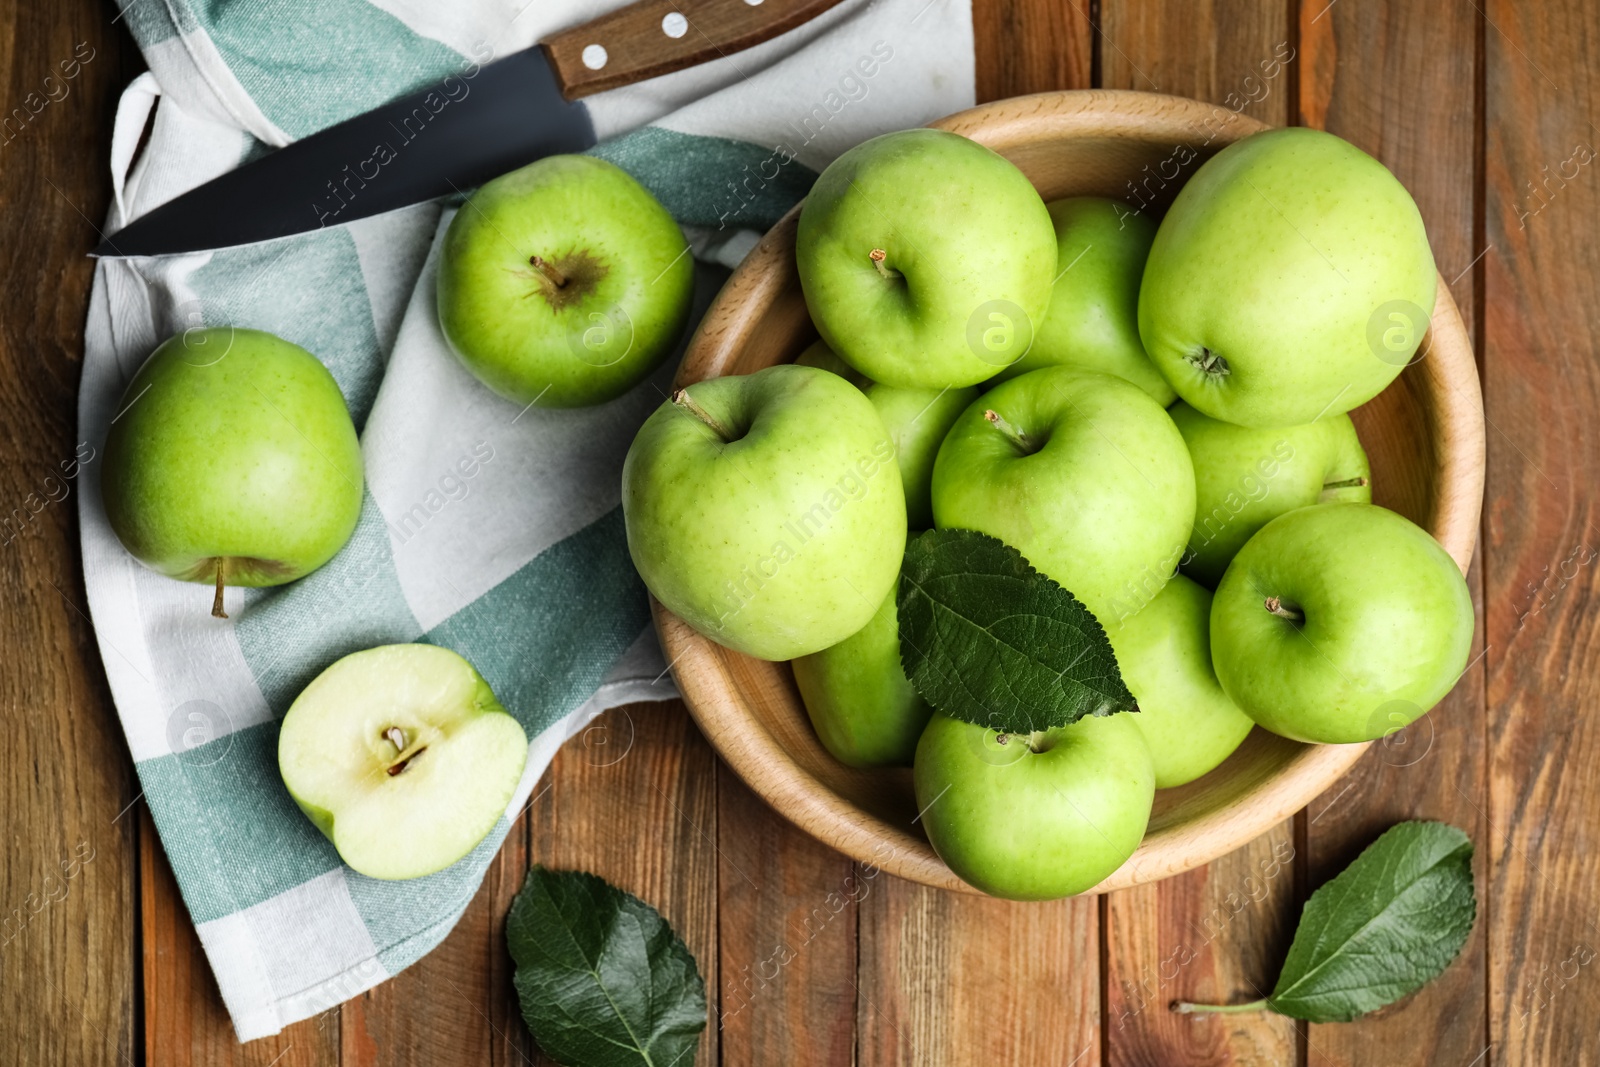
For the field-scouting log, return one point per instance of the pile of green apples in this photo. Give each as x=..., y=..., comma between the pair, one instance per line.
x=1154, y=416
x=233, y=460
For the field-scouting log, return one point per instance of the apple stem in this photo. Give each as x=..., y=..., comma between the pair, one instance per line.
x=1348, y=483
x=1275, y=607
x=688, y=403
x=1017, y=437
x=548, y=269
x=1184, y=1007
x=878, y=255
x=216, y=601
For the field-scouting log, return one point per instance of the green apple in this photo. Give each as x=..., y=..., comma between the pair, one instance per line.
x=563, y=283
x=917, y=420
x=1093, y=318
x=1245, y=477
x=1033, y=817
x=232, y=461
x=926, y=259
x=860, y=701
x=1339, y=623
x=403, y=757
x=1291, y=279
x=765, y=510
x=1082, y=473
x=1164, y=653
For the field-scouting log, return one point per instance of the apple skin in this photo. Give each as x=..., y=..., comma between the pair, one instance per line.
x=1245, y=478
x=232, y=445
x=613, y=244
x=1104, y=506
x=335, y=760
x=1386, y=631
x=1164, y=653
x=917, y=420
x=1093, y=318
x=783, y=539
x=1286, y=255
x=862, y=705
x=1029, y=825
x=970, y=256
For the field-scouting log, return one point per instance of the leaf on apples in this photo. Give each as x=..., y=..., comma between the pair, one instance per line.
x=986, y=638
x=1388, y=923
x=602, y=979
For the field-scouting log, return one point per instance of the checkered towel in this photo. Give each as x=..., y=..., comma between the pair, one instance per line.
x=489, y=529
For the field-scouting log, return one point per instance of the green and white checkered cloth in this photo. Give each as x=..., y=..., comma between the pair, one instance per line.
x=519, y=565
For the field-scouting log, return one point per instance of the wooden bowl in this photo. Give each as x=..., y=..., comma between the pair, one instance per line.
x=1424, y=435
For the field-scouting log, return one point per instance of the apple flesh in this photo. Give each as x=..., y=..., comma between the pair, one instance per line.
x=1034, y=817
x=1093, y=318
x=1244, y=478
x=917, y=420
x=232, y=461
x=563, y=283
x=1291, y=279
x=1339, y=623
x=403, y=757
x=1164, y=653
x=765, y=510
x=926, y=259
x=1083, y=474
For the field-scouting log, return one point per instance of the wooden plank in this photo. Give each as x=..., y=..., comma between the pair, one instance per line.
x=185, y=1022
x=1031, y=47
x=1542, y=386
x=633, y=800
x=1230, y=52
x=1395, y=79
x=69, y=884
x=953, y=979
x=1215, y=934
x=787, y=936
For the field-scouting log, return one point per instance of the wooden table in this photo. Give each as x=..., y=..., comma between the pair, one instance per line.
x=1482, y=107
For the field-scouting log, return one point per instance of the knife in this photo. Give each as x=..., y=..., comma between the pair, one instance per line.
x=458, y=134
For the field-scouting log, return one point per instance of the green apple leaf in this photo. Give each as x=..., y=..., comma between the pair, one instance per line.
x=986, y=638
x=1380, y=929
x=602, y=979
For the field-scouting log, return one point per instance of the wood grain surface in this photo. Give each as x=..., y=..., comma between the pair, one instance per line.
x=1482, y=107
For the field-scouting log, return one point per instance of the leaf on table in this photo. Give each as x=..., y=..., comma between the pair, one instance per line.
x=1388, y=923
x=986, y=638
x=602, y=979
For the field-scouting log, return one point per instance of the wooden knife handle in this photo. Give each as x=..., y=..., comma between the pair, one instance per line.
x=656, y=37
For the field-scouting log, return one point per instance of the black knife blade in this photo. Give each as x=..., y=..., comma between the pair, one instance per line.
x=425, y=145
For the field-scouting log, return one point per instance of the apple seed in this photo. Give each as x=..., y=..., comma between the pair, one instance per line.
x=397, y=737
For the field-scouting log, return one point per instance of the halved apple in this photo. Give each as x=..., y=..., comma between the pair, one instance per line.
x=403, y=757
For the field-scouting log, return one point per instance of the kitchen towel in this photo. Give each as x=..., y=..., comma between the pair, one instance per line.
x=487, y=528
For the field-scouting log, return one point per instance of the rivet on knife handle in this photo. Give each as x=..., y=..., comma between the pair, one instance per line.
x=656, y=37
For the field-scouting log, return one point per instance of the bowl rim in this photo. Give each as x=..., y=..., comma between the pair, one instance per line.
x=1449, y=378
